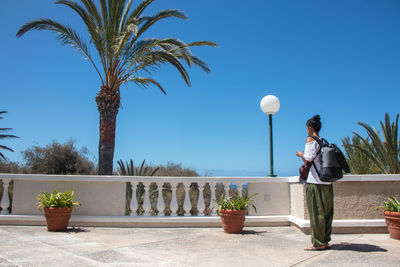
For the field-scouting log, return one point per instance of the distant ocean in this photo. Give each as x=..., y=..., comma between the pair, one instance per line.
x=241, y=173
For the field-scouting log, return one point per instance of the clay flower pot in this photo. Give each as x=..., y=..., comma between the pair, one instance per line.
x=57, y=219
x=393, y=223
x=233, y=220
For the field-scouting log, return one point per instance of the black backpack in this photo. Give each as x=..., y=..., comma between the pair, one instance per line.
x=333, y=161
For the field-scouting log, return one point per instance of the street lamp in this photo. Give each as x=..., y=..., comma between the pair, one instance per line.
x=270, y=105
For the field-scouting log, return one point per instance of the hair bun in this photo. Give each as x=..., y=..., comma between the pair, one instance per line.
x=316, y=118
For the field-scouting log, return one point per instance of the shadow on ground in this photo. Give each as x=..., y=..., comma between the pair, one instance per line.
x=75, y=230
x=358, y=247
x=251, y=232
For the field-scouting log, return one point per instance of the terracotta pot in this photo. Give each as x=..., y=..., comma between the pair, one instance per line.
x=393, y=223
x=233, y=220
x=57, y=219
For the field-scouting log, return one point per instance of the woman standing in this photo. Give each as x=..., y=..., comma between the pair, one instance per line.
x=319, y=194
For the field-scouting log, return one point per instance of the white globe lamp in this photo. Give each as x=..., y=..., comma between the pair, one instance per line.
x=270, y=105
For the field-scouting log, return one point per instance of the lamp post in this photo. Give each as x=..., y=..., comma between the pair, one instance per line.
x=270, y=105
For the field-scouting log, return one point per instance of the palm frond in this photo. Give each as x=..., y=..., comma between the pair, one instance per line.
x=145, y=82
x=91, y=18
x=125, y=15
x=137, y=12
x=203, y=43
x=65, y=34
x=384, y=153
x=3, y=136
x=6, y=148
x=93, y=11
x=168, y=13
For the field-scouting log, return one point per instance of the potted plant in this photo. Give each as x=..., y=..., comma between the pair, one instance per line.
x=392, y=215
x=57, y=208
x=233, y=212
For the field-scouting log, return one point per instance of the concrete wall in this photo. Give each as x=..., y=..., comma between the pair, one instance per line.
x=352, y=199
x=97, y=198
x=271, y=198
x=356, y=200
x=298, y=204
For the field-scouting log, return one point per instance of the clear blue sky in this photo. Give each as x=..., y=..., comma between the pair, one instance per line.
x=339, y=59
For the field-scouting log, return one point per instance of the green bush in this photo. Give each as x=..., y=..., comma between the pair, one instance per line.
x=358, y=161
x=383, y=152
x=9, y=167
x=175, y=170
x=56, y=158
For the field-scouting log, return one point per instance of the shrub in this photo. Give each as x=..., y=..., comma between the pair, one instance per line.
x=176, y=170
x=56, y=158
x=384, y=153
x=9, y=167
x=358, y=161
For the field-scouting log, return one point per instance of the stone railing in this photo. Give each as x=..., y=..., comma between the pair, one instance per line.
x=175, y=201
x=106, y=195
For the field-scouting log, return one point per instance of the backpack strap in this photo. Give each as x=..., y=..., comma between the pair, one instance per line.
x=315, y=167
x=321, y=144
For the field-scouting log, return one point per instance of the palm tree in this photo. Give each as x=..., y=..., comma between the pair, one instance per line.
x=3, y=136
x=358, y=161
x=116, y=29
x=383, y=153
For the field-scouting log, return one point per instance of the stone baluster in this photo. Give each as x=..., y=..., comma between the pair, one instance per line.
x=159, y=207
x=146, y=201
x=133, y=204
x=212, y=188
x=201, y=204
x=5, y=200
x=230, y=192
x=187, y=205
x=239, y=187
x=174, y=202
x=225, y=193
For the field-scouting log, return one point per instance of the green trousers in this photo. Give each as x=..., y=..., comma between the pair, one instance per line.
x=320, y=209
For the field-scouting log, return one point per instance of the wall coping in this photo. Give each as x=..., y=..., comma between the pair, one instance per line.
x=167, y=221
x=117, y=178
x=164, y=179
x=358, y=178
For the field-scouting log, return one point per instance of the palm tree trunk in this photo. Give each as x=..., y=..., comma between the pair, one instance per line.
x=108, y=102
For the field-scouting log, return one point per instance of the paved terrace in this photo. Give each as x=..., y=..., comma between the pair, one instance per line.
x=257, y=246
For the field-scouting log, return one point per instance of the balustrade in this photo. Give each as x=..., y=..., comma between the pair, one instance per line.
x=161, y=205
x=158, y=196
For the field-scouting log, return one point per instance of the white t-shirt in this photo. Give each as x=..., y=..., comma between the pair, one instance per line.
x=310, y=152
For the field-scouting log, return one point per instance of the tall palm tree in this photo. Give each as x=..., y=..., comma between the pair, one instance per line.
x=116, y=29
x=385, y=154
x=3, y=136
